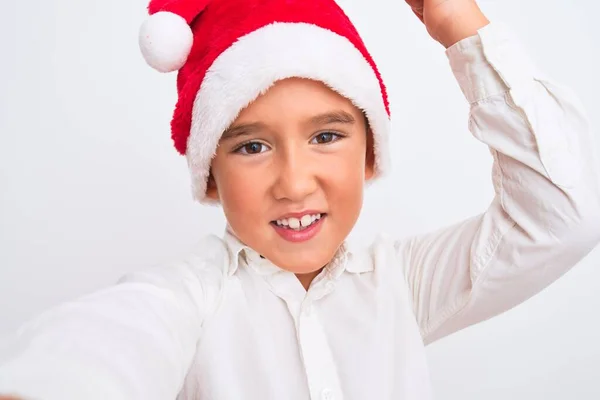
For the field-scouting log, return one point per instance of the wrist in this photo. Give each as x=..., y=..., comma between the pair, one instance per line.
x=459, y=25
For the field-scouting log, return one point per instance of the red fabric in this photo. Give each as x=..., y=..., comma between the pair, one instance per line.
x=184, y=8
x=220, y=23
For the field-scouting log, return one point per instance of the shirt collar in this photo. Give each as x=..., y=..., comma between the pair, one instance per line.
x=234, y=248
x=359, y=262
x=344, y=259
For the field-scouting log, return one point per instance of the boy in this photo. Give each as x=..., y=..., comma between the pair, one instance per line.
x=283, y=116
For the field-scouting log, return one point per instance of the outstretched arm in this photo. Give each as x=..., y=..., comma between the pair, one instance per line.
x=545, y=216
x=135, y=340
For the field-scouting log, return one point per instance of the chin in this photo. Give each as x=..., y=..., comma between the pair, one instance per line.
x=305, y=262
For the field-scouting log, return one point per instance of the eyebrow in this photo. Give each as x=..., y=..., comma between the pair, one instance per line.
x=242, y=130
x=332, y=117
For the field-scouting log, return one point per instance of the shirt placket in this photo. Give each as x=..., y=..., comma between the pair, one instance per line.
x=320, y=368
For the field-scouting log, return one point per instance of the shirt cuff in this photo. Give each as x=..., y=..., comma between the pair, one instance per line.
x=489, y=63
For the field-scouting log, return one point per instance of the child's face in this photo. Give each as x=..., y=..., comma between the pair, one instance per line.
x=299, y=149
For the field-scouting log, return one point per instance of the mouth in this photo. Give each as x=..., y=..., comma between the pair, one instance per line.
x=299, y=223
x=299, y=227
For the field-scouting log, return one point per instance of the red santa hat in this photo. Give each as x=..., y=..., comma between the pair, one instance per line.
x=228, y=52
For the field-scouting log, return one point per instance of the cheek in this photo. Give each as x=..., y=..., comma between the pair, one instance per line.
x=352, y=165
x=241, y=191
x=346, y=181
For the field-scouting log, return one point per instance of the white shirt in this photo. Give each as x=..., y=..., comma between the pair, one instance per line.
x=227, y=324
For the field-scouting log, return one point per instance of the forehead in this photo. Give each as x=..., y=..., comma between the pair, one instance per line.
x=296, y=99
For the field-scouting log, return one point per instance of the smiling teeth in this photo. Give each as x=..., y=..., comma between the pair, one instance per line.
x=296, y=224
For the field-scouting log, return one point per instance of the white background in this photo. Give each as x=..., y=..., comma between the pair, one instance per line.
x=91, y=187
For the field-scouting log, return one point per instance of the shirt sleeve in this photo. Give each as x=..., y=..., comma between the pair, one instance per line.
x=135, y=340
x=545, y=216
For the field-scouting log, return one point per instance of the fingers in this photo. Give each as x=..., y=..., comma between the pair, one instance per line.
x=420, y=16
x=415, y=4
x=417, y=7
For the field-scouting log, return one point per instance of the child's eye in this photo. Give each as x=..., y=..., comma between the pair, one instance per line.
x=326, y=137
x=251, y=148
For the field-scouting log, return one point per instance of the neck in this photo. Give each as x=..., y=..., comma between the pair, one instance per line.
x=306, y=279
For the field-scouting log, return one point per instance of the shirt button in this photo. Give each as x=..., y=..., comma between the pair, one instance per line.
x=327, y=394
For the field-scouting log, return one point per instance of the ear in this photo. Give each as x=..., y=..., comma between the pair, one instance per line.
x=369, y=156
x=212, y=192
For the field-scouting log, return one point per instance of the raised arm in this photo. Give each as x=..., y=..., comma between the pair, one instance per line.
x=545, y=216
x=135, y=340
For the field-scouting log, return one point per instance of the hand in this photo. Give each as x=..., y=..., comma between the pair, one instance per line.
x=449, y=21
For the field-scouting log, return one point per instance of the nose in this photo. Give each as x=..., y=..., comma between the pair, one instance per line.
x=296, y=176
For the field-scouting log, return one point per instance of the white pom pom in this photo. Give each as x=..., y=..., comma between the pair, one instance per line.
x=165, y=41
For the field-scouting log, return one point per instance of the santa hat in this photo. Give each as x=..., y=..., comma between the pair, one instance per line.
x=228, y=52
